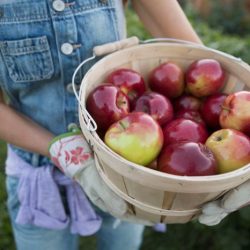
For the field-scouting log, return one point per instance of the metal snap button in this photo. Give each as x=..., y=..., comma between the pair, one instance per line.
x=58, y=5
x=69, y=88
x=67, y=48
x=72, y=126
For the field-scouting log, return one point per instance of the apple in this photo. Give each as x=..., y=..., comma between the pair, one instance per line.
x=191, y=115
x=167, y=79
x=235, y=112
x=182, y=129
x=231, y=149
x=129, y=81
x=156, y=105
x=187, y=159
x=211, y=108
x=204, y=77
x=137, y=137
x=107, y=104
x=187, y=102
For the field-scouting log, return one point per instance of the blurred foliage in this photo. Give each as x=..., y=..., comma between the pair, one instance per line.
x=233, y=232
x=230, y=16
x=216, y=35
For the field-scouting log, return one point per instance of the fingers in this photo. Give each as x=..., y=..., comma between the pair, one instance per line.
x=212, y=214
x=113, y=203
x=237, y=197
x=212, y=208
x=100, y=194
x=211, y=220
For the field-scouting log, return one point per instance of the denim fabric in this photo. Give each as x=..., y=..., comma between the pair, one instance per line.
x=34, y=72
x=125, y=236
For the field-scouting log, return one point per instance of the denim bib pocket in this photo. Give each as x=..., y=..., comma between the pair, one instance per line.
x=28, y=59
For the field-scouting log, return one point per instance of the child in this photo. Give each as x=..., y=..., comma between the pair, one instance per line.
x=41, y=44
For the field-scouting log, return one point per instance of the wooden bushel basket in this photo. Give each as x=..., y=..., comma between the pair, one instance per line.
x=153, y=195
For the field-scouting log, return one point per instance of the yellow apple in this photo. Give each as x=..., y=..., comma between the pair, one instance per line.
x=231, y=149
x=137, y=137
x=235, y=112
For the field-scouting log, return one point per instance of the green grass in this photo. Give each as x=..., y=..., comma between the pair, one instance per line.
x=231, y=234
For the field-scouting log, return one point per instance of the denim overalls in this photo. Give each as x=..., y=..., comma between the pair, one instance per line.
x=41, y=44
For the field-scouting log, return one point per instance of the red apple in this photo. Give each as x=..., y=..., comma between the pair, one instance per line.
x=211, y=108
x=236, y=112
x=191, y=115
x=187, y=102
x=107, y=104
x=156, y=105
x=129, y=81
x=187, y=158
x=231, y=149
x=204, y=77
x=167, y=79
x=137, y=137
x=184, y=130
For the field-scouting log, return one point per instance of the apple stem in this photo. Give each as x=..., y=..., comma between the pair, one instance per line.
x=225, y=108
x=218, y=138
x=122, y=125
x=121, y=103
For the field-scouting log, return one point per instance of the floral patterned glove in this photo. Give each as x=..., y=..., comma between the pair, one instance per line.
x=71, y=153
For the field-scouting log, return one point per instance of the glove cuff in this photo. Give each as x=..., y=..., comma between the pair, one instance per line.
x=61, y=136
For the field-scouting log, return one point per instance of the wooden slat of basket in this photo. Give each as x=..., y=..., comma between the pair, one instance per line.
x=143, y=193
x=144, y=215
x=176, y=219
x=118, y=179
x=189, y=201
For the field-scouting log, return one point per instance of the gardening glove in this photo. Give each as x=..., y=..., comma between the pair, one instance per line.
x=71, y=153
x=213, y=212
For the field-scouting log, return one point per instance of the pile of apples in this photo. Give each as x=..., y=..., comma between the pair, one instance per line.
x=178, y=121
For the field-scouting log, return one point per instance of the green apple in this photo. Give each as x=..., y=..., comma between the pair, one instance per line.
x=137, y=137
x=231, y=149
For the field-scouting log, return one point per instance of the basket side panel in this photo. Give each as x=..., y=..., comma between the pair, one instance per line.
x=185, y=201
x=176, y=219
x=144, y=215
x=116, y=178
x=144, y=194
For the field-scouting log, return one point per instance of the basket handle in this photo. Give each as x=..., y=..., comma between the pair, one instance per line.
x=114, y=46
x=171, y=40
x=180, y=41
x=99, y=51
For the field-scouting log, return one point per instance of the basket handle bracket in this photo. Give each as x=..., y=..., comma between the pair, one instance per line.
x=114, y=46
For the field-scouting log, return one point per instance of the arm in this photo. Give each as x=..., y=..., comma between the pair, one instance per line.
x=21, y=131
x=165, y=19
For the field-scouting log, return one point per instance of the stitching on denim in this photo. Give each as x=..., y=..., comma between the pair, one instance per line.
x=45, y=16
x=25, y=50
x=115, y=21
x=42, y=46
x=24, y=20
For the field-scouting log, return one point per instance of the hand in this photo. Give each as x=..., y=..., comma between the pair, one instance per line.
x=213, y=212
x=72, y=155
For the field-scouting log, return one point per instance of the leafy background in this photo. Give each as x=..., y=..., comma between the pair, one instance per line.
x=226, y=28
